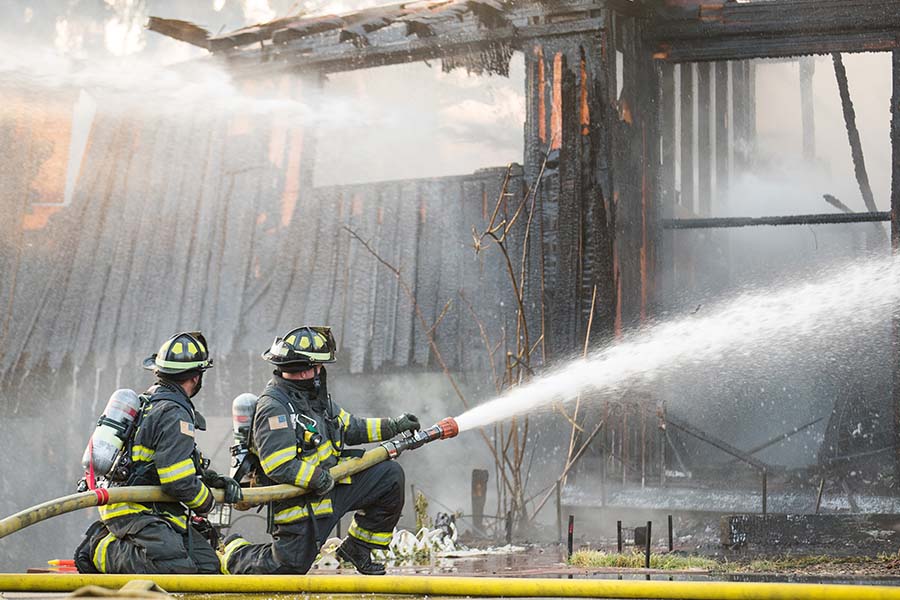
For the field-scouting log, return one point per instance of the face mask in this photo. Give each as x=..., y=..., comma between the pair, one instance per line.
x=199, y=385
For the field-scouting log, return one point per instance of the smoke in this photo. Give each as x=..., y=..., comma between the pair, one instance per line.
x=420, y=122
x=123, y=31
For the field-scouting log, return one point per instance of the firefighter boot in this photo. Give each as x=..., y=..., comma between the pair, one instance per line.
x=354, y=552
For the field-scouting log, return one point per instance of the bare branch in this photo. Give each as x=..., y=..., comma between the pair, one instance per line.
x=441, y=316
x=431, y=341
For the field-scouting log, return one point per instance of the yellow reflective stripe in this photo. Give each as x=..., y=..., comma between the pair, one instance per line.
x=179, y=521
x=179, y=470
x=142, y=454
x=344, y=418
x=200, y=498
x=276, y=459
x=298, y=513
x=312, y=460
x=325, y=450
x=304, y=475
x=229, y=550
x=373, y=426
x=372, y=537
x=120, y=509
x=171, y=364
x=100, y=553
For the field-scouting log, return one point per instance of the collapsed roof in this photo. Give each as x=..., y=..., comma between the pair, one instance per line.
x=485, y=31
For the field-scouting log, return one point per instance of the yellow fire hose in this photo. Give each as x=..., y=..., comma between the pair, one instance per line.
x=260, y=495
x=453, y=586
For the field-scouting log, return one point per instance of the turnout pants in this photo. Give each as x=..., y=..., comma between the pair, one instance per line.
x=377, y=494
x=144, y=544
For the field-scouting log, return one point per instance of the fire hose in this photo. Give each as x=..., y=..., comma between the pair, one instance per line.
x=487, y=587
x=389, y=450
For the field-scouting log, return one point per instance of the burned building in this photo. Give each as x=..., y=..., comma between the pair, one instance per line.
x=639, y=115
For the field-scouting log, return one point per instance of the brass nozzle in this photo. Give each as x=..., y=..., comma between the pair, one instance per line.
x=449, y=428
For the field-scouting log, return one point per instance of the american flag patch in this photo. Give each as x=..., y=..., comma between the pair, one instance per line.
x=279, y=422
x=187, y=428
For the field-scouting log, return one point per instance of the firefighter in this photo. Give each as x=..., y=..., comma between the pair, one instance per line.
x=297, y=435
x=163, y=537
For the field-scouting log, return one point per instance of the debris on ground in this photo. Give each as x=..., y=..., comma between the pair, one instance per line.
x=430, y=544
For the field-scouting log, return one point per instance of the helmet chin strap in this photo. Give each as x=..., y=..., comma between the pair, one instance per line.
x=199, y=384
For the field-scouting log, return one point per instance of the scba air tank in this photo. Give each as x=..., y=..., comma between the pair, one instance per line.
x=112, y=431
x=242, y=409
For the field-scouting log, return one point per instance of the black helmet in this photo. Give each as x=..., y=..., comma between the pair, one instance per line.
x=180, y=353
x=302, y=346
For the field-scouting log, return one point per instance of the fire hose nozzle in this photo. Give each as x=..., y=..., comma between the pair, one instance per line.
x=445, y=429
x=449, y=428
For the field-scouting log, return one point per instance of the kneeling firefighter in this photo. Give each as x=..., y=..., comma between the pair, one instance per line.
x=158, y=449
x=297, y=435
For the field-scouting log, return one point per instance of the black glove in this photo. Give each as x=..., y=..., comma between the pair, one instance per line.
x=322, y=482
x=233, y=491
x=405, y=422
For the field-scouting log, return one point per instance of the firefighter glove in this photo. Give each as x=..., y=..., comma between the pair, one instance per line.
x=405, y=422
x=322, y=482
x=233, y=491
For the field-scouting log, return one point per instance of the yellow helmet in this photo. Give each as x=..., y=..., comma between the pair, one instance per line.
x=180, y=353
x=302, y=346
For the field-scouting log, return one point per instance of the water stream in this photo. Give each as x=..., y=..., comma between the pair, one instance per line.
x=828, y=309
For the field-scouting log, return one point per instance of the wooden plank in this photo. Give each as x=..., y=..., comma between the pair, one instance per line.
x=474, y=283
x=739, y=31
x=687, y=136
x=407, y=241
x=192, y=180
x=429, y=256
x=127, y=200
x=384, y=325
x=361, y=278
x=453, y=245
x=152, y=293
x=704, y=143
x=131, y=339
x=312, y=279
x=722, y=150
x=194, y=305
x=240, y=210
x=338, y=314
x=99, y=277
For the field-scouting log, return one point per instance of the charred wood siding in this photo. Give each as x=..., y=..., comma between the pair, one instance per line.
x=598, y=194
x=182, y=226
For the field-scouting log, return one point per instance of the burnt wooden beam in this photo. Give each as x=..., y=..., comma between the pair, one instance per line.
x=820, y=219
x=859, y=161
x=332, y=43
x=667, y=106
x=734, y=31
x=807, y=106
x=856, y=151
x=716, y=442
x=739, y=99
x=302, y=55
x=895, y=246
x=895, y=153
x=704, y=145
x=837, y=204
x=723, y=110
x=687, y=136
